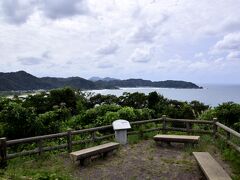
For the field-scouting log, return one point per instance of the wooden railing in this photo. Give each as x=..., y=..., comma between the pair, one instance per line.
x=164, y=128
x=229, y=133
x=161, y=125
x=4, y=144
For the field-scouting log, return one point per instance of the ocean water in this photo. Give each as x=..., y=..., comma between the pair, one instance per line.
x=210, y=94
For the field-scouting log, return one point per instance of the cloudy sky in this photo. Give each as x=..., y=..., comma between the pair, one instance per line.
x=189, y=40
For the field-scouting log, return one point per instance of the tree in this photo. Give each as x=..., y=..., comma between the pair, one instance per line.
x=103, y=99
x=198, y=107
x=228, y=113
x=135, y=100
x=158, y=103
x=179, y=110
x=41, y=102
x=64, y=97
x=153, y=100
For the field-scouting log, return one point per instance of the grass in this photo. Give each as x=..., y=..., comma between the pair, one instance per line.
x=133, y=139
x=45, y=167
x=231, y=156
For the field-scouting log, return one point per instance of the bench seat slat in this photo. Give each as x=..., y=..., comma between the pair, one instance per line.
x=210, y=167
x=81, y=154
x=176, y=138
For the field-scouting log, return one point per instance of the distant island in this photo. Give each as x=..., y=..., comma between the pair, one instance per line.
x=21, y=80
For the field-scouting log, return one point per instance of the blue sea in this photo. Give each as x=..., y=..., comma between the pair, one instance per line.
x=210, y=94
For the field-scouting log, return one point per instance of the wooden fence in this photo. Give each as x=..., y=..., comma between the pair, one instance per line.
x=162, y=123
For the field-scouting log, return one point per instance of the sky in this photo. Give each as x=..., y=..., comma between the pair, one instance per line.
x=190, y=40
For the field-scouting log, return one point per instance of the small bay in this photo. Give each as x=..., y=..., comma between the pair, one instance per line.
x=210, y=94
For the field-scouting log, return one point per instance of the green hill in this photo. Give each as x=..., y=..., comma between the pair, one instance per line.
x=22, y=80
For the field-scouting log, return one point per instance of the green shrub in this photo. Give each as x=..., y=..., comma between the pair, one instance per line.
x=107, y=119
x=51, y=121
x=208, y=115
x=95, y=115
x=135, y=100
x=127, y=113
x=40, y=102
x=65, y=97
x=143, y=114
x=18, y=121
x=102, y=99
x=228, y=113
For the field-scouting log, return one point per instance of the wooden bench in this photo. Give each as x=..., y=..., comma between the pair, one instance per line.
x=176, y=138
x=211, y=169
x=84, y=155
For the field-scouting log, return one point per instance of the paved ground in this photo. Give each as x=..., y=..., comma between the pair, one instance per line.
x=144, y=160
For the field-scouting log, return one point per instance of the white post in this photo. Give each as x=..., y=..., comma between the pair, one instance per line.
x=120, y=127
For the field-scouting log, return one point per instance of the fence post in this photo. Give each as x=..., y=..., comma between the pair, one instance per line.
x=3, y=152
x=164, y=124
x=40, y=146
x=228, y=137
x=141, y=131
x=188, y=127
x=69, y=140
x=94, y=136
x=214, y=128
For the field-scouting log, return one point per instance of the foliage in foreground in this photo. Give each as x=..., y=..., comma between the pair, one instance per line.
x=63, y=109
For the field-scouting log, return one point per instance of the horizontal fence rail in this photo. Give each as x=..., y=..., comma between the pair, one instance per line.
x=228, y=130
x=229, y=133
x=162, y=124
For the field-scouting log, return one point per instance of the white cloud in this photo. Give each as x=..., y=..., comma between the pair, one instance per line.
x=230, y=42
x=198, y=55
x=55, y=9
x=142, y=55
x=234, y=55
x=107, y=49
x=17, y=11
x=30, y=61
x=105, y=65
x=228, y=46
x=148, y=31
x=199, y=65
x=174, y=64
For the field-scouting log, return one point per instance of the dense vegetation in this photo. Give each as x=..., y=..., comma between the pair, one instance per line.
x=61, y=109
x=24, y=81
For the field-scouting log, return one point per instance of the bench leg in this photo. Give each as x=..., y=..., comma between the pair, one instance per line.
x=168, y=143
x=85, y=162
x=159, y=143
x=109, y=153
x=162, y=143
x=189, y=145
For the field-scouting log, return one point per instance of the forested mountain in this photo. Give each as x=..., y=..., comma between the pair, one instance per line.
x=146, y=83
x=95, y=78
x=22, y=80
x=75, y=82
